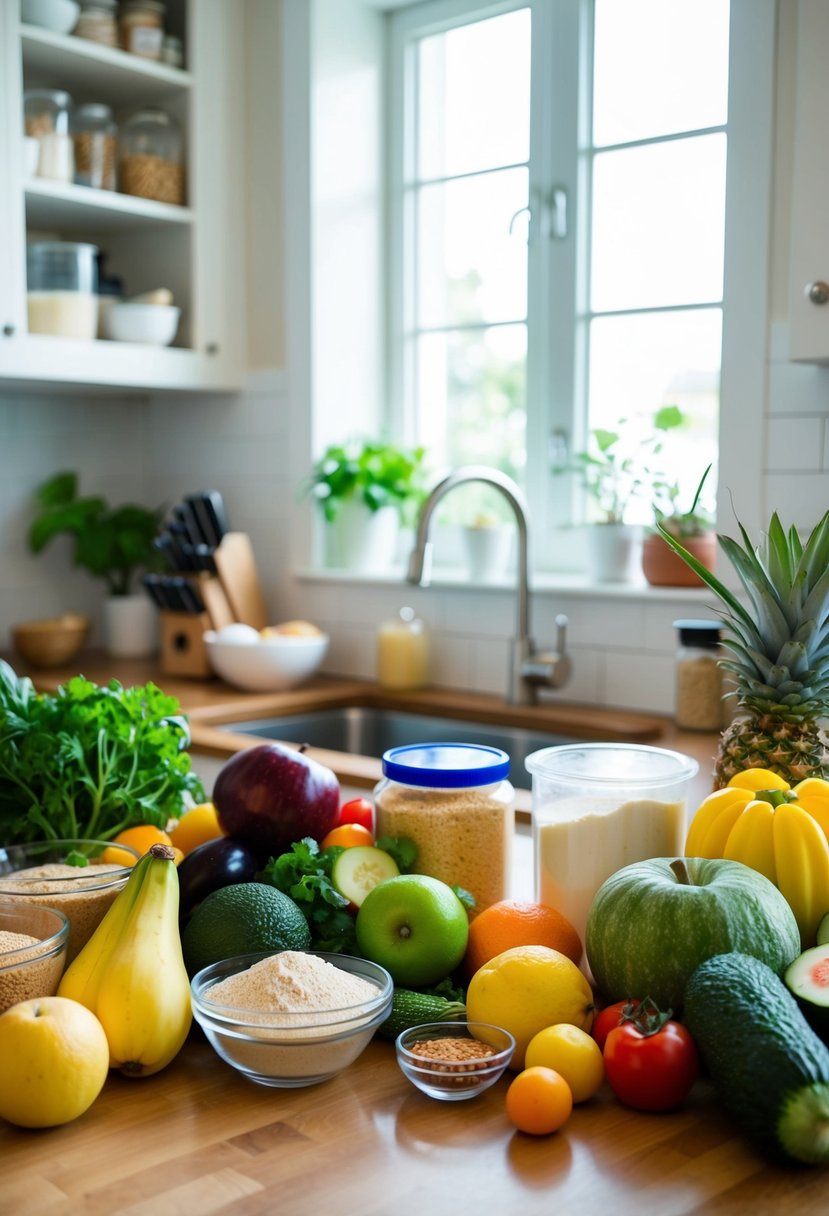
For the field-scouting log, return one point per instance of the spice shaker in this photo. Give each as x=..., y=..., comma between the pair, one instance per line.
x=699, y=676
x=403, y=652
x=455, y=801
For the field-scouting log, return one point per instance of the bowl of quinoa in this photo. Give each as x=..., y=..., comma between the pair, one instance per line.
x=450, y=1061
x=80, y=878
x=291, y=1018
x=32, y=952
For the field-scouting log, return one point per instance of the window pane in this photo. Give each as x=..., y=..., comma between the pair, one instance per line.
x=471, y=397
x=660, y=66
x=658, y=216
x=640, y=363
x=470, y=268
x=474, y=101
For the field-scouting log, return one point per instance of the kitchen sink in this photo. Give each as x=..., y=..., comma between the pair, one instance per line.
x=364, y=731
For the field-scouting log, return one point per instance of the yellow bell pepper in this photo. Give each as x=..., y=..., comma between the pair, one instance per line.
x=779, y=830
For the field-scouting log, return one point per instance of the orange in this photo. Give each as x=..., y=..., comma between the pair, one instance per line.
x=539, y=1101
x=347, y=835
x=196, y=826
x=140, y=838
x=513, y=922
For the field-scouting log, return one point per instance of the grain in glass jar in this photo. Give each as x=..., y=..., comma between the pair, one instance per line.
x=95, y=137
x=699, y=676
x=150, y=157
x=142, y=27
x=455, y=801
x=97, y=22
x=46, y=119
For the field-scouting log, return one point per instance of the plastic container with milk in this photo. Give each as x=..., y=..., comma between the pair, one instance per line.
x=597, y=807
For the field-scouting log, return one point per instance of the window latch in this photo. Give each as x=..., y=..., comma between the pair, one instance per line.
x=557, y=205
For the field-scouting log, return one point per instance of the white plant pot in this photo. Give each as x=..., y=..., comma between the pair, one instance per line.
x=130, y=626
x=614, y=552
x=487, y=552
x=362, y=540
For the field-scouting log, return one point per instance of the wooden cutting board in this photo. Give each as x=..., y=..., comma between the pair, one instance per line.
x=236, y=568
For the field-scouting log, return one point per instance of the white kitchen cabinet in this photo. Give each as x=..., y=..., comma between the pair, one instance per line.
x=809, y=251
x=195, y=249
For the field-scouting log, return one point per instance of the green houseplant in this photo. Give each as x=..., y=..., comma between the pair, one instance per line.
x=366, y=490
x=110, y=543
x=694, y=528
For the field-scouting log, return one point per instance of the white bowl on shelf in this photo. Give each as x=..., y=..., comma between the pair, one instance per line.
x=60, y=16
x=152, y=324
x=270, y=665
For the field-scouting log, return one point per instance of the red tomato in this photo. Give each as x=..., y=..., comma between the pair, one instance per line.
x=358, y=810
x=609, y=1018
x=651, y=1071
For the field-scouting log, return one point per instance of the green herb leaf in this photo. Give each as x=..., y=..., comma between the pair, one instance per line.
x=304, y=873
x=401, y=848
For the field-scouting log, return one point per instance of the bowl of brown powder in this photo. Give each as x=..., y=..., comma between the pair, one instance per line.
x=73, y=876
x=32, y=952
x=291, y=1018
x=449, y=1060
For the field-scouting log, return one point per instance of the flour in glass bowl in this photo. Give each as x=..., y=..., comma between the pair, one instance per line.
x=291, y=982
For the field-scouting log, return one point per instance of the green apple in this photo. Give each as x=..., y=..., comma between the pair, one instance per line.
x=415, y=926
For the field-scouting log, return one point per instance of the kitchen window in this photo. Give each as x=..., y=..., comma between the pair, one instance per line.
x=557, y=189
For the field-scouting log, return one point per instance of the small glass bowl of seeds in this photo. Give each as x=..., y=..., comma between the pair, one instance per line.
x=452, y=1061
x=32, y=952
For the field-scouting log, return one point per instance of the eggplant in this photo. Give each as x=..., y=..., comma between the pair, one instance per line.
x=214, y=864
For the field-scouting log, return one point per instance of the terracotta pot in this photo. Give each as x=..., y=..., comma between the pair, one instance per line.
x=664, y=568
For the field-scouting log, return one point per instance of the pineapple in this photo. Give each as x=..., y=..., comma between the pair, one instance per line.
x=779, y=651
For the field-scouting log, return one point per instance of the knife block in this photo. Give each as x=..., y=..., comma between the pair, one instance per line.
x=183, y=652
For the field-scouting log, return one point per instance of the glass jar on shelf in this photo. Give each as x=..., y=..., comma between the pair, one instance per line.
x=46, y=118
x=95, y=139
x=699, y=676
x=62, y=287
x=151, y=157
x=172, y=51
x=142, y=27
x=98, y=22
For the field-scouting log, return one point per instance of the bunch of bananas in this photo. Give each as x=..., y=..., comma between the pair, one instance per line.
x=131, y=972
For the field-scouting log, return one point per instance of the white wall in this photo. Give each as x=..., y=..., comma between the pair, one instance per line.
x=253, y=448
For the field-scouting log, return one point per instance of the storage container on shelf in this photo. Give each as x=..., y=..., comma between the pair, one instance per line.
x=62, y=285
x=455, y=801
x=150, y=157
x=700, y=685
x=98, y=22
x=172, y=51
x=95, y=139
x=46, y=117
x=142, y=27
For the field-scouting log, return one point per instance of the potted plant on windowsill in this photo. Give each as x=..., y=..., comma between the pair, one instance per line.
x=366, y=490
x=111, y=543
x=694, y=528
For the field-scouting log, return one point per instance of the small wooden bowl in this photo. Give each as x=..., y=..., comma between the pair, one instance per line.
x=51, y=642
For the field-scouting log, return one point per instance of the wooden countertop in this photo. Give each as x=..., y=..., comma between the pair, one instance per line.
x=199, y=1138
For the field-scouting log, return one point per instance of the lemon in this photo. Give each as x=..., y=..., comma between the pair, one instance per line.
x=54, y=1059
x=571, y=1052
x=244, y=918
x=525, y=989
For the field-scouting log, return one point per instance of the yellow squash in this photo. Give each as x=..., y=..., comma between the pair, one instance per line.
x=131, y=972
x=780, y=830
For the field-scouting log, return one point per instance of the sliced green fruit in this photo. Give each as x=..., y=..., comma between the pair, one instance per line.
x=807, y=978
x=823, y=931
x=359, y=869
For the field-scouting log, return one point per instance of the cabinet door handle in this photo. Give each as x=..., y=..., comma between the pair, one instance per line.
x=818, y=292
x=8, y=331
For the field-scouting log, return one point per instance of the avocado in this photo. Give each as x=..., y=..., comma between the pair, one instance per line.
x=807, y=978
x=770, y=1070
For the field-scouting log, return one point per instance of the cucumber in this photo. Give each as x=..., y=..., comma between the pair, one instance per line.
x=360, y=868
x=409, y=1008
x=807, y=978
x=823, y=931
x=770, y=1069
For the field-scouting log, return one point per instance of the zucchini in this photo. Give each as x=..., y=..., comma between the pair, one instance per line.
x=807, y=978
x=409, y=1008
x=770, y=1069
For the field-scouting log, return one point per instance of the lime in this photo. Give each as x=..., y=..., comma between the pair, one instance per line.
x=244, y=918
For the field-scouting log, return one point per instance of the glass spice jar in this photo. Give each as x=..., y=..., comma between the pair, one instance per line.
x=150, y=157
x=699, y=676
x=97, y=22
x=455, y=801
x=95, y=137
x=142, y=27
x=46, y=118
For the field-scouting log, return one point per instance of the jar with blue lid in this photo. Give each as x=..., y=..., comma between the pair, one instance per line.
x=456, y=802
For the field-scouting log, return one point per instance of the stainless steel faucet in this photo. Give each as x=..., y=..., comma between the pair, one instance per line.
x=529, y=667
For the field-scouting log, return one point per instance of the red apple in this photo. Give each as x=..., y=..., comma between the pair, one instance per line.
x=270, y=796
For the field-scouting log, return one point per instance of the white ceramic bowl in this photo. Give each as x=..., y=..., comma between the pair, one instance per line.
x=269, y=665
x=152, y=324
x=289, y=1050
x=58, y=15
